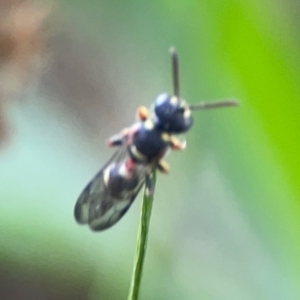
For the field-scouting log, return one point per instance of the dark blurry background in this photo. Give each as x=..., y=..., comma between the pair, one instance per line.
x=226, y=221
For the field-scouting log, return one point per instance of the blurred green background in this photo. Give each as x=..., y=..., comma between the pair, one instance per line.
x=226, y=221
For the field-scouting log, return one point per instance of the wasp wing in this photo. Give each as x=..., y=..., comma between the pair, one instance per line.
x=97, y=206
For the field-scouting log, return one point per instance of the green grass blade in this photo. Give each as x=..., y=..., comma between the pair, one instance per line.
x=141, y=245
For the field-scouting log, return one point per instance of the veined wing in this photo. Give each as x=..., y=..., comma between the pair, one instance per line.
x=98, y=205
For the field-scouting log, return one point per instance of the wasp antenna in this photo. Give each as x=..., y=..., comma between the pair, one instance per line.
x=215, y=104
x=175, y=70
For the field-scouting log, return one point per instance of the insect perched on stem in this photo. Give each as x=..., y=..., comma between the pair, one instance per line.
x=141, y=148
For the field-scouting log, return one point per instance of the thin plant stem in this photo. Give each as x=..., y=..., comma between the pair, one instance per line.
x=141, y=244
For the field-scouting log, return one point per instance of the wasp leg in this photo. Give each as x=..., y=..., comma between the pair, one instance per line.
x=115, y=140
x=177, y=144
x=163, y=166
x=142, y=113
x=149, y=185
x=118, y=139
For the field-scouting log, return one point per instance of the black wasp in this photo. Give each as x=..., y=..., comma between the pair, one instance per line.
x=141, y=148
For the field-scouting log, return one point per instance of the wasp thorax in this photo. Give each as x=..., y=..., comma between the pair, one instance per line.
x=173, y=115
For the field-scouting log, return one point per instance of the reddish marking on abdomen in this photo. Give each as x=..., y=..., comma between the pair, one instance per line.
x=130, y=164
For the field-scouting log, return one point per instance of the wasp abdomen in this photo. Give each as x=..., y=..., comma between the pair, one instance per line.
x=120, y=180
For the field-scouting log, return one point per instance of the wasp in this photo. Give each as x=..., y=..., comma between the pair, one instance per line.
x=141, y=149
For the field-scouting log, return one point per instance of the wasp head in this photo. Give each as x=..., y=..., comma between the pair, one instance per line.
x=173, y=114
